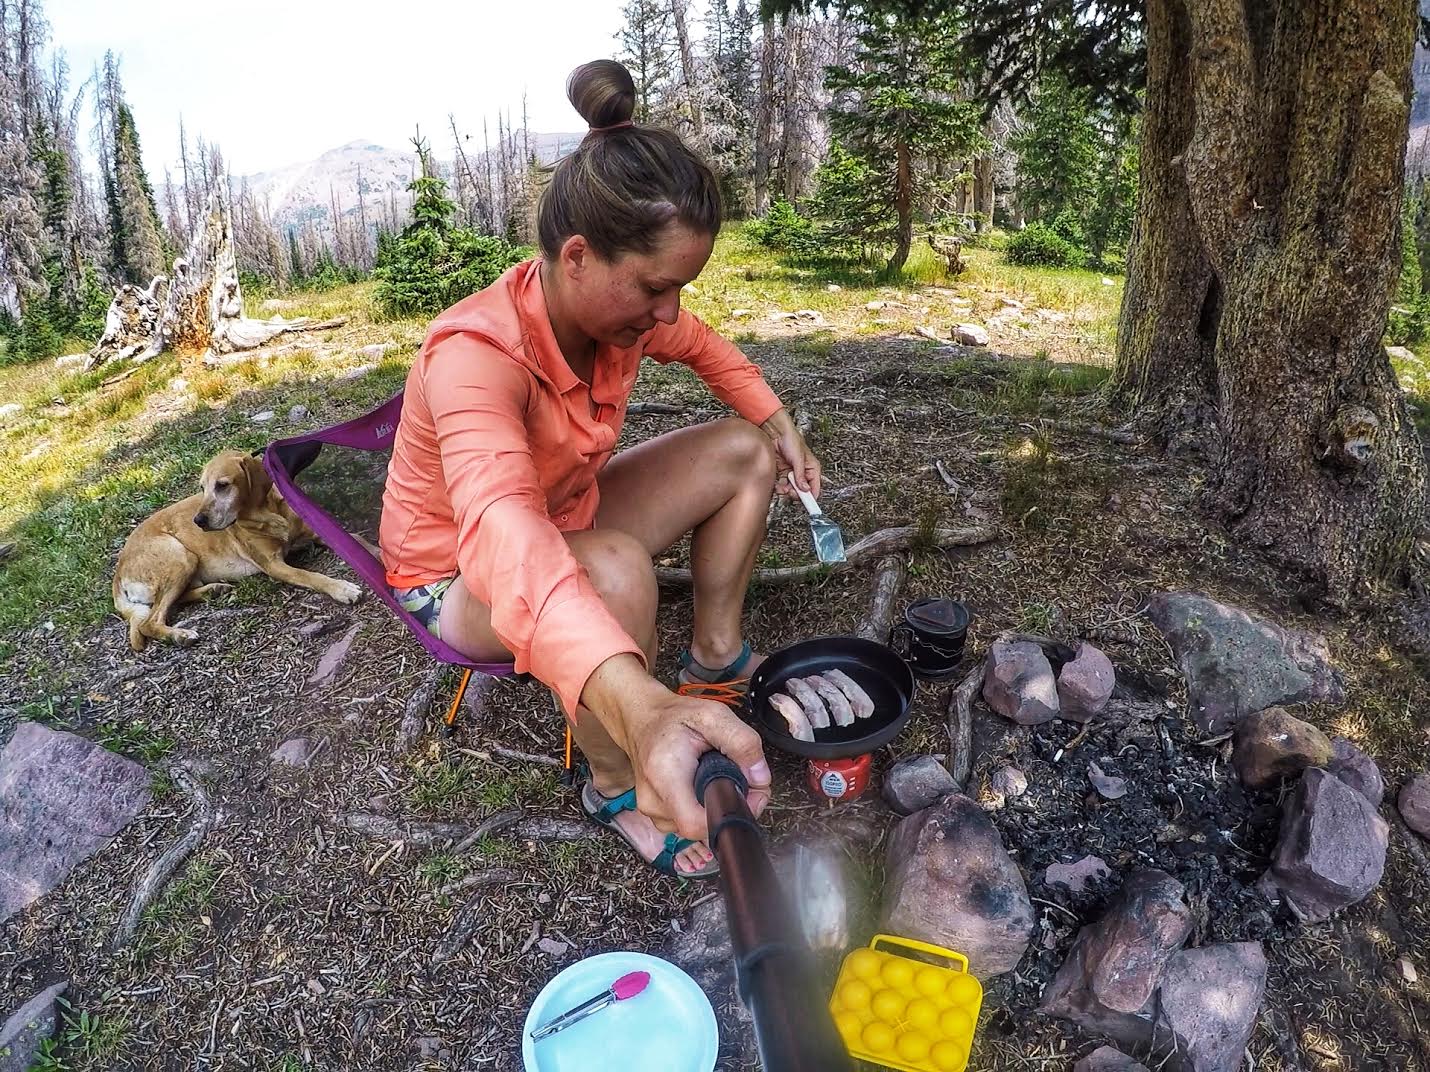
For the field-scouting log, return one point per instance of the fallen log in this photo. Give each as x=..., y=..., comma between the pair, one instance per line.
x=414, y=712
x=882, y=542
x=159, y=873
x=880, y=621
x=960, y=727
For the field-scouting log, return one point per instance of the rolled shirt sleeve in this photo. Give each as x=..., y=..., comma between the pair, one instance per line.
x=731, y=376
x=511, y=556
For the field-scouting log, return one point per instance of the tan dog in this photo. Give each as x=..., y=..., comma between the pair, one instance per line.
x=238, y=526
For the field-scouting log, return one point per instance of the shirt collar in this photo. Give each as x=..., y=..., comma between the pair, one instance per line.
x=536, y=326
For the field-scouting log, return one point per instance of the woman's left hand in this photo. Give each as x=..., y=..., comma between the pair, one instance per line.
x=797, y=462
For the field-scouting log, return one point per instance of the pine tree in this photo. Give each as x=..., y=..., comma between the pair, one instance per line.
x=22, y=239
x=134, y=218
x=648, y=51
x=899, y=105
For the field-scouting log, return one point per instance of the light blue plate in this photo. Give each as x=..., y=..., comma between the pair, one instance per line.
x=668, y=1027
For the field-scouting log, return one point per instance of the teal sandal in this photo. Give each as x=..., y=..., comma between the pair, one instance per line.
x=604, y=815
x=727, y=685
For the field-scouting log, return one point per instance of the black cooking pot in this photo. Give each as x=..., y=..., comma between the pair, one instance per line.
x=878, y=670
x=931, y=637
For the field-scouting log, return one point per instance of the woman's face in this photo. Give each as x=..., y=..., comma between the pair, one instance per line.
x=618, y=301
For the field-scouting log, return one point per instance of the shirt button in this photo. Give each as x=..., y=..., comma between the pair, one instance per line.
x=565, y=517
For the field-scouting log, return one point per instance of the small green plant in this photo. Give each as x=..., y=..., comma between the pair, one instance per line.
x=173, y=924
x=87, y=1037
x=1040, y=245
x=441, y=784
x=441, y=868
x=1030, y=481
x=136, y=740
x=1038, y=618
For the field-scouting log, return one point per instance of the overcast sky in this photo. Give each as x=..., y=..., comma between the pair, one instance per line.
x=284, y=80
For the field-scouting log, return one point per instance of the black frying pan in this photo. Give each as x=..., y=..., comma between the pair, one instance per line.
x=877, y=669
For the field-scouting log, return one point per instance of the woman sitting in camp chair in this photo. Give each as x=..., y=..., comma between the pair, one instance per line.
x=512, y=532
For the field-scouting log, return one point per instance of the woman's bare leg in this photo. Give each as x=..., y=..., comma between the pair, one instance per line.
x=620, y=570
x=716, y=479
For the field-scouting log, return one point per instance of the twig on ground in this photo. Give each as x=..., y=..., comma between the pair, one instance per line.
x=1066, y=749
x=492, y=824
x=548, y=828
x=943, y=474
x=636, y=409
x=1055, y=649
x=164, y=867
x=524, y=757
x=471, y=914
x=960, y=727
x=878, y=543
x=1283, y=1030
x=419, y=703
x=886, y=590
x=847, y=492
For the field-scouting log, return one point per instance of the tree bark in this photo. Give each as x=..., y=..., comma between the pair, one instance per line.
x=983, y=192
x=764, y=118
x=1264, y=260
x=689, y=73
x=903, y=204
x=1166, y=337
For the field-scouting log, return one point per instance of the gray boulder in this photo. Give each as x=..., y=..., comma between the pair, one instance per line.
x=27, y=1029
x=913, y=784
x=1116, y=964
x=950, y=881
x=1274, y=745
x=1008, y=783
x=1236, y=664
x=1414, y=804
x=1331, y=850
x=1085, y=684
x=1357, y=770
x=1019, y=683
x=61, y=799
x=1106, y=1059
x=1208, y=1005
x=295, y=752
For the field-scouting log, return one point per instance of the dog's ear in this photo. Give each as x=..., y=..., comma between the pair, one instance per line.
x=259, y=481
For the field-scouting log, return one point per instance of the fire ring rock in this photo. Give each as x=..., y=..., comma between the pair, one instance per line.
x=1236, y=664
x=1331, y=851
x=950, y=881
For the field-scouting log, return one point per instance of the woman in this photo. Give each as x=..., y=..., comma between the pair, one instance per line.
x=510, y=529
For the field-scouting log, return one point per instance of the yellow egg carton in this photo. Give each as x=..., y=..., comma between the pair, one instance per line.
x=904, y=1013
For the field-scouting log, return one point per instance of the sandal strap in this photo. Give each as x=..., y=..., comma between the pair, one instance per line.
x=665, y=859
x=705, y=674
x=609, y=809
x=729, y=693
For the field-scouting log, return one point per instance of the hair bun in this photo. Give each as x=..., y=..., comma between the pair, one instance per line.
x=603, y=92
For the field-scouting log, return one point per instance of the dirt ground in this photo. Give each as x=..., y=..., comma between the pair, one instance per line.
x=291, y=941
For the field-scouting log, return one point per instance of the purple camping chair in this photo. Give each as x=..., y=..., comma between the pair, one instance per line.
x=286, y=458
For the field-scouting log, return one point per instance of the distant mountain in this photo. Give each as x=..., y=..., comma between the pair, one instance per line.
x=304, y=192
x=1418, y=151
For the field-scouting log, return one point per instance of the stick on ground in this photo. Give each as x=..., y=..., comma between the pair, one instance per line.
x=882, y=542
x=886, y=592
x=960, y=727
x=419, y=704
x=158, y=875
x=472, y=912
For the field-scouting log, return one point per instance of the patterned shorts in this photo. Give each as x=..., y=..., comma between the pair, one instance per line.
x=425, y=603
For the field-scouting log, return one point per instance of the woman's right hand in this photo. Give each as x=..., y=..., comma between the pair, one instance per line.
x=665, y=735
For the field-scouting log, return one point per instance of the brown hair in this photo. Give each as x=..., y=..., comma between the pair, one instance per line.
x=624, y=183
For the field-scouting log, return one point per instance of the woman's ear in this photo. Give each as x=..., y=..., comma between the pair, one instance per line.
x=575, y=257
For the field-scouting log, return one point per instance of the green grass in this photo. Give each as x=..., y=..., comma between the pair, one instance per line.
x=449, y=785
x=172, y=926
x=75, y=479
x=441, y=868
x=1414, y=376
x=135, y=740
x=91, y=1039
x=1039, y=387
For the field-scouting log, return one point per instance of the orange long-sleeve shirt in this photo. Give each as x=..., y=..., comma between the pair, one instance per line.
x=496, y=456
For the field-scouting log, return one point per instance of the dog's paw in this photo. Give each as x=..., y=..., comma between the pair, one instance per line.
x=344, y=592
x=185, y=637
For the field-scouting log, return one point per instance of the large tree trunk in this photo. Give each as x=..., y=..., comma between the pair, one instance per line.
x=903, y=204
x=1166, y=337
x=1260, y=283
x=983, y=192
x=764, y=117
x=689, y=73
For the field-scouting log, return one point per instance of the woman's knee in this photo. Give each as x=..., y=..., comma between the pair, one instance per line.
x=747, y=451
x=619, y=568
